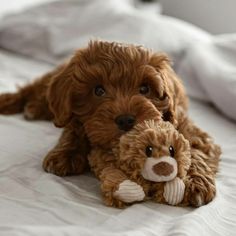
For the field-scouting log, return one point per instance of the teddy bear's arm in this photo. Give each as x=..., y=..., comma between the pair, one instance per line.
x=200, y=181
x=117, y=189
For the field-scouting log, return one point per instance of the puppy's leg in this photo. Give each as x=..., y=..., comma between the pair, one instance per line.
x=69, y=156
x=205, y=160
x=117, y=189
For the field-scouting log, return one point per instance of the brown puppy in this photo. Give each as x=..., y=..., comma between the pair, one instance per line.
x=102, y=92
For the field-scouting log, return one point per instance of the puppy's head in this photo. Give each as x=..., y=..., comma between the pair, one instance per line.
x=155, y=151
x=109, y=87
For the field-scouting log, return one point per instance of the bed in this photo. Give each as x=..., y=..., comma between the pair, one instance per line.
x=37, y=203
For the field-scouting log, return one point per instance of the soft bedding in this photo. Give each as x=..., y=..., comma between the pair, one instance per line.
x=37, y=203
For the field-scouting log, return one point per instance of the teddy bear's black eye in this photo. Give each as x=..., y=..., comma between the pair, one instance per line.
x=172, y=151
x=144, y=89
x=149, y=151
x=99, y=91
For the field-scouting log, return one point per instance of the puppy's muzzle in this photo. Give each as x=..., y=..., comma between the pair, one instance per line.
x=125, y=122
x=160, y=170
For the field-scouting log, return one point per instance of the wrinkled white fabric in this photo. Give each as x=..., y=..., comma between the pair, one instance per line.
x=51, y=32
x=209, y=72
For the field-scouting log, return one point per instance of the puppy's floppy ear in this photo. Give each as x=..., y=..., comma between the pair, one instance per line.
x=173, y=93
x=59, y=94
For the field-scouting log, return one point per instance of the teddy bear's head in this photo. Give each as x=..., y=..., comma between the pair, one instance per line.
x=155, y=151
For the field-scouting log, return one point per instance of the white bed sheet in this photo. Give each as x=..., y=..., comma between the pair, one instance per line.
x=33, y=202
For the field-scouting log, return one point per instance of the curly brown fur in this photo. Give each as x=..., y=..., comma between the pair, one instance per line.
x=67, y=96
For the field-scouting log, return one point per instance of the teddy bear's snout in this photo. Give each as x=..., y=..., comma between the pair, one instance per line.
x=160, y=169
x=163, y=168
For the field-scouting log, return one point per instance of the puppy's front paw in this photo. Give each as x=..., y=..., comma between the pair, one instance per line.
x=174, y=191
x=62, y=165
x=129, y=192
x=201, y=191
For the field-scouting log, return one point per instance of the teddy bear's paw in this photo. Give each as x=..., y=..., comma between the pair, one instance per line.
x=174, y=191
x=197, y=200
x=202, y=191
x=129, y=192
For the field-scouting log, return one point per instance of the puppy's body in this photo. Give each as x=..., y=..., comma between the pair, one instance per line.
x=101, y=93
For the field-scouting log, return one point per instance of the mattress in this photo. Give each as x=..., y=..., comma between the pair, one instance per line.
x=37, y=203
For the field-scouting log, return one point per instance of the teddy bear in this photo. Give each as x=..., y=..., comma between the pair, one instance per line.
x=152, y=161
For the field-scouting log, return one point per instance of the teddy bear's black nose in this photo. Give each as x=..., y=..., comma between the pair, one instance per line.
x=125, y=122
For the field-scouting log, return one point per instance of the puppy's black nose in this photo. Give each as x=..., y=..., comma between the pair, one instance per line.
x=125, y=122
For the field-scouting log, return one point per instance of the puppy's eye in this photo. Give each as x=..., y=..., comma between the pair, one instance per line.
x=172, y=151
x=149, y=151
x=99, y=91
x=144, y=89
